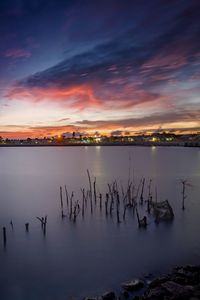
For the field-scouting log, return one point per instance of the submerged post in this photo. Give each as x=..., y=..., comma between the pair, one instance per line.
x=149, y=201
x=100, y=201
x=183, y=193
x=61, y=202
x=27, y=227
x=67, y=196
x=11, y=224
x=90, y=185
x=4, y=236
x=70, y=211
x=83, y=202
x=142, y=191
x=95, y=194
x=106, y=203
x=118, y=203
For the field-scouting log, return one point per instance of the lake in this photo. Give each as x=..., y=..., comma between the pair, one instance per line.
x=95, y=253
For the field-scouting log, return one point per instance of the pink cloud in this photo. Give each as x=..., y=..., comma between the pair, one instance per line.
x=172, y=57
x=17, y=53
x=84, y=96
x=77, y=97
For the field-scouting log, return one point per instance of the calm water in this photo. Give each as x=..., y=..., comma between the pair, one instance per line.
x=94, y=254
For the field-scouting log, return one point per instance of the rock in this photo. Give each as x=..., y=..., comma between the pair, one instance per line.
x=163, y=211
x=155, y=293
x=181, y=284
x=158, y=281
x=108, y=296
x=125, y=294
x=133, y=285
x=197, y=291
x=178, y=290
x=89, y=298
x=191, y=268
x=179, y=279
x=189, y=275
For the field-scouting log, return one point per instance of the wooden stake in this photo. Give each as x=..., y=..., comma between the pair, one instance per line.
x=142, y=191
x=100, y=201
x=184, y=182
x=90, y=185
x=95, y=194
x=4, y=236
x=11, y=224
x=106, y=203
x=61, y=202
x=27, y=227
x=67, y=196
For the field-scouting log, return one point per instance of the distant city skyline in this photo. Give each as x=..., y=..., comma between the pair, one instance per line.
x=86, y=66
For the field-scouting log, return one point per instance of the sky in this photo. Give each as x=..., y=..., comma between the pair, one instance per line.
x=104, y=66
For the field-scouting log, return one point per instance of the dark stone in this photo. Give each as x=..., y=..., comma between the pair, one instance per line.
x=196, y=292
x=158, y=281
x=155, y=293
x=133, y=285
x=108, y=296
x=182, y=284
x=125, y=294
x=180, y=279
x=189, y=275
x=90, y=298
x=163, y=211
x=192, y=268
x=176, y=289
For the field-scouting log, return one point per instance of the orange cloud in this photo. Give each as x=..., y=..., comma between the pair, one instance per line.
x=76, y=97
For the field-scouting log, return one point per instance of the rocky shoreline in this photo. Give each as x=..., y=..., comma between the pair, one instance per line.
x=183, y=283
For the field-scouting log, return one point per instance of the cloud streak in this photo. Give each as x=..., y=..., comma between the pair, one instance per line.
x=141, y=62
x=175, y=121
x=17, y=53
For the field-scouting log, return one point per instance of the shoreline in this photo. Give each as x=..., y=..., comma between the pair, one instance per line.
x=147, y=144
x=182, y=282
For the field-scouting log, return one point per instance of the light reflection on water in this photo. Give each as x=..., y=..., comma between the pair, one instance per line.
x=95, y=253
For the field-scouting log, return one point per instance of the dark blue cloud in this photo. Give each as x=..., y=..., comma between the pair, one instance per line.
x=130, y=51
x=158, y=43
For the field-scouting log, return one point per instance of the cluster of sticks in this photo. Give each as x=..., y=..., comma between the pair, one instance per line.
x=43, y=221
x=115, y=198
x=115, y=202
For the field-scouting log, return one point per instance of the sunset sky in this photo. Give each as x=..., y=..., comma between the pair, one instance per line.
x=131, y=66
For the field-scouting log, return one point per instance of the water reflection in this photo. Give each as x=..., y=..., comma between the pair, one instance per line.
x=52, y=265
